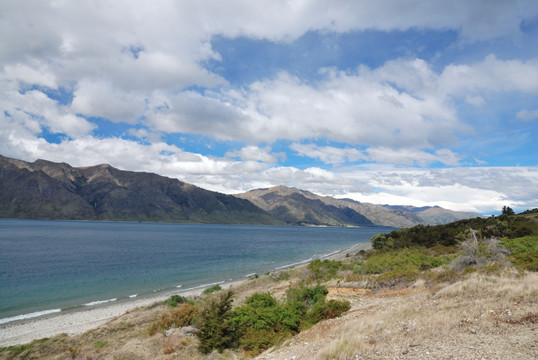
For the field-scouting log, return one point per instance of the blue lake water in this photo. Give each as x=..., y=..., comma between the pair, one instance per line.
x=59, y=265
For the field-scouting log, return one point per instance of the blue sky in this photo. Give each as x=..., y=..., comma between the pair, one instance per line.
x=417, y=103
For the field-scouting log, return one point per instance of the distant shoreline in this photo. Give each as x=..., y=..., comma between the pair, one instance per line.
x=79, y=320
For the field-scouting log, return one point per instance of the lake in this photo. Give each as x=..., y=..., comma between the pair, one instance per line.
x=52, y=266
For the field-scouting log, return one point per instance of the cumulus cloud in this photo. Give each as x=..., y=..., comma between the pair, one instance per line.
x=101, y=99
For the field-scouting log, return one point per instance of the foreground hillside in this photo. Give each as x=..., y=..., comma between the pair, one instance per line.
x=408, y=297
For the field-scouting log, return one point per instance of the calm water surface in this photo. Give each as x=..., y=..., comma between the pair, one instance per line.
x=58, y=265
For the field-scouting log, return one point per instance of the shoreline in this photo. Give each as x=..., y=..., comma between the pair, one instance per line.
x=77, y=321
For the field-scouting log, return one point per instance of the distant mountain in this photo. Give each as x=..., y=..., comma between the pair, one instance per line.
x=298, y=207
x=48, y=190
x=295, y=206
x=434, y=215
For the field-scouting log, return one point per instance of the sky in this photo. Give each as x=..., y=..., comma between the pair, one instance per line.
x=390, y=102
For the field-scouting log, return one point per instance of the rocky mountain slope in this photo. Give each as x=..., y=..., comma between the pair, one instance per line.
x=292, y=205
x=47, y=190
x=295, y=206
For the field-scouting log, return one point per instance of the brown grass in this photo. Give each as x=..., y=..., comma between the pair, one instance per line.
x=491, y=317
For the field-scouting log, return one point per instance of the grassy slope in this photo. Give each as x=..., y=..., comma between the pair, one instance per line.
x=406, y=302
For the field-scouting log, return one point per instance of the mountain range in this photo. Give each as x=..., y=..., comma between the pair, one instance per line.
x=49, y=190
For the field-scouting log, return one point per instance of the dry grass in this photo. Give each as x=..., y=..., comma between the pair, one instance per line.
x=491, y=317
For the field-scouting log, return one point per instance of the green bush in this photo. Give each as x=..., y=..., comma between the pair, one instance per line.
x=175, y=300
x=212, y=289
x=521, y=245
x=307, y=295
x=526, y=261
x=324, y=269
x=215, y=331
x=408, y=259
x=262, y=321
x=382, y=242
x=326, y=310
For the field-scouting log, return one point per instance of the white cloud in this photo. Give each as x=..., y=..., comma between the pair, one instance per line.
x=527, y=115
x=347, y=108
x=34, y=73
x=101, y=99
x=480, y=189
x=329, y=154
x=190, y=112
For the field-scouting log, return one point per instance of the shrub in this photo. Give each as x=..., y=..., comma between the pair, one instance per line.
x=327, y=310
x=324, y=269
x=401, y=259
x=382, y=242
x=521, y=245
x=478, y=252
x=215, y=331
x=262, y=322
x=176, y=317
x=526, y=261
x=212, y=289
x=175, y=300
x=307, y=295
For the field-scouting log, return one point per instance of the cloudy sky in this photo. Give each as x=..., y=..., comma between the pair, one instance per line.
x=391, y=102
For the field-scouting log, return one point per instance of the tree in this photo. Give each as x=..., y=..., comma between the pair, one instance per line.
x=507, y=211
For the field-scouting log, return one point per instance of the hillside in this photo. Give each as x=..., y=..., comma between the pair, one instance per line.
x=403, y=301
x=295, y=206
x=48, y=190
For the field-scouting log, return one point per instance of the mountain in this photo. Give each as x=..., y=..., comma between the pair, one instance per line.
x=48, y=190
x=295, y=206
x=298, y=207
x=434, y=215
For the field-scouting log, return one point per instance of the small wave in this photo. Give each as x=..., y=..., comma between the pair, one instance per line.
x=133, y=296
x=93, y=303
x=29, y=316
x=330, y=254
x=179, y=286
x=294, y=264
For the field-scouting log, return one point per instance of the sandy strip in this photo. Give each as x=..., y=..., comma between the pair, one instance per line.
x=77, y=322
x=351, y=251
